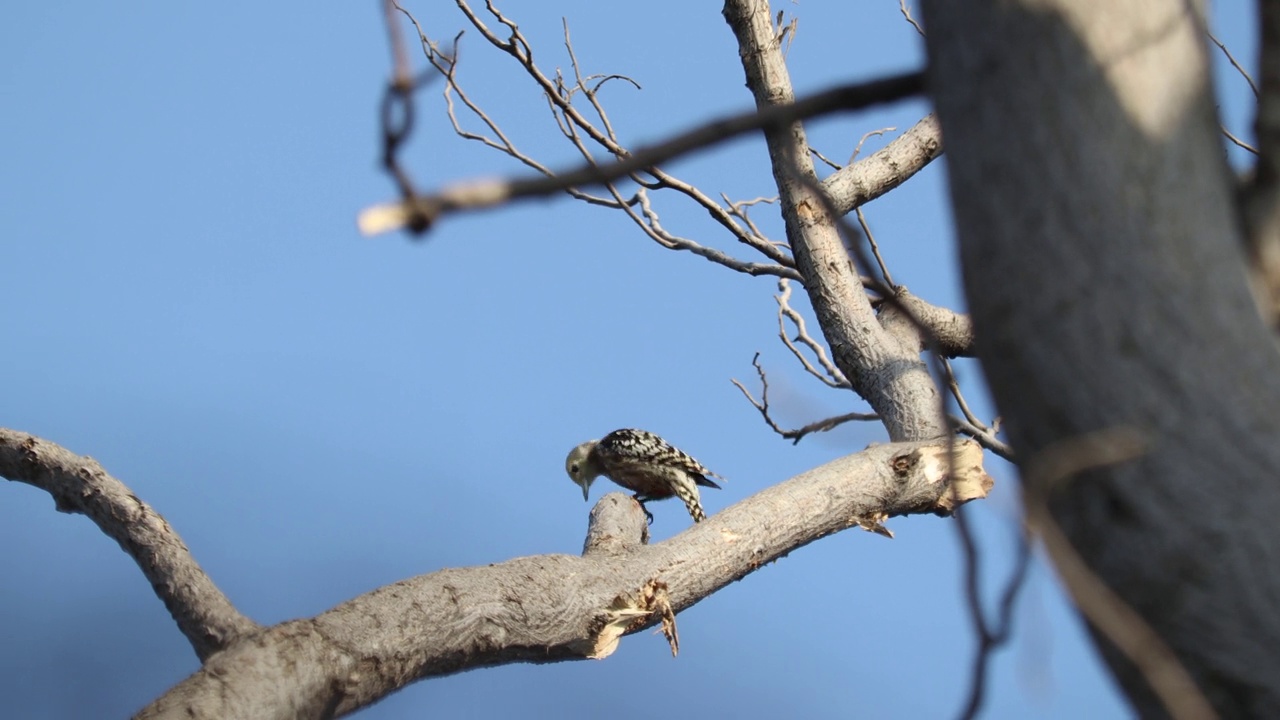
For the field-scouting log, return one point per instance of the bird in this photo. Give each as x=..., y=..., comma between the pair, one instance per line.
x=643, y=463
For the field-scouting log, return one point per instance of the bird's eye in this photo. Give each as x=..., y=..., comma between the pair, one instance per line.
x=573, y=468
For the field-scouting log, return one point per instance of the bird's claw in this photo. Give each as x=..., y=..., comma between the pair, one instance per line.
x=648, y=516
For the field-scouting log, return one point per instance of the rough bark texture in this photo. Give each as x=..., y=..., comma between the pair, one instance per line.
x=79, y=485
x=885, y=169
x=882, y=366
x=1102, y=260
x=550, y=608
x=1261, y=201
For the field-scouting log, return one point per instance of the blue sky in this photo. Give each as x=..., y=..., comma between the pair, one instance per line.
x=188, y=301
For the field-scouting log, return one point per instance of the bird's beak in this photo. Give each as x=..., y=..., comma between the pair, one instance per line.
x=586, y=487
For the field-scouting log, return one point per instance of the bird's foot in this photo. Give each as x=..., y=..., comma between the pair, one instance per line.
x=648, y=516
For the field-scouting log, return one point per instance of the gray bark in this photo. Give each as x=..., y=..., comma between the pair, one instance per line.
x=79, y=485
x=883, y=366
x=1102, y=259
x=867, y=179
x=544, y=608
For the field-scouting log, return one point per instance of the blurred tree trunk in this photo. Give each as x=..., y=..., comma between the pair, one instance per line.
x=1102, y=257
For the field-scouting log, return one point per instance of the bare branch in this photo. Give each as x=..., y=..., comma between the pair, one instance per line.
x=881, y=368
x=906, y=13
x=550, y=608
x=739, y=209
x=79, y=485
x=1238, y=142
x=830, y=375
x=857, y=149
x=477, y=195
x=653, y=228
x=875, y=248
x=1232, y=59
x=794, y=435
x=990, y=636
x=576, y=128
x=986, y=437
x=952, y=331
x=886, y=168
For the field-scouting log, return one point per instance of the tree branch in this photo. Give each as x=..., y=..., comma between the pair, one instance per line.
x=861, y=182
x=796, y=435
x=483, y=194
x=1261, y=195
x=550, y=608
x=951, y=331
x=79, y=485
x=1101, y=250
x=881, y=367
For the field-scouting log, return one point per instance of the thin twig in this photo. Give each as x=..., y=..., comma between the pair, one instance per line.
x=954, y=386
x=906, y=13
x=478, y=195
x=1232, y=59
x=559, y=93
x=875, y=248
x=857, y=149
x=1237, y=141
x=830, y=375
x=990, y=635
x=986, y=437
x=794, y=435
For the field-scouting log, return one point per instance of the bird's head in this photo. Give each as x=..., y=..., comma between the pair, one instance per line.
x=580, y=468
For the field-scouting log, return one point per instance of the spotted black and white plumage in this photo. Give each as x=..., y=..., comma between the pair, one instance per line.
x=644, y=464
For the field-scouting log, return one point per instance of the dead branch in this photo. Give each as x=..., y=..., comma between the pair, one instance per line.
x=986, y=437
x=885, y=169
x=883, y=370
x=78, y=484
x=906, y=14
x=1238, y=142
x=550, y=608
x=1232, y=59
x=482, y=194
x=952, y=332
x=990, y=635
x=793, y=435
x=875, y=248
x=830, y=374
x=583, y=134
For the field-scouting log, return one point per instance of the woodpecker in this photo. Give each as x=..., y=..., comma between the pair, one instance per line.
x=644, y=464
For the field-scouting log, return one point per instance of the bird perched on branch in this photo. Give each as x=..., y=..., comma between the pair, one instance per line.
x=644, y=464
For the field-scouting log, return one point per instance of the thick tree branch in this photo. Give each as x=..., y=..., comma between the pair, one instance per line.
x=861, y=182
x=1261, y=200
x=1103, y=265
x=79, y=485
x=950, y=331
x=549, y=608
x=881, y=367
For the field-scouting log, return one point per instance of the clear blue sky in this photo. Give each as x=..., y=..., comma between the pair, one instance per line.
x=187, y=300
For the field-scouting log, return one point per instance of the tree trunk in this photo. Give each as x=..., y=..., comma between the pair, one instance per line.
x=1101, y=252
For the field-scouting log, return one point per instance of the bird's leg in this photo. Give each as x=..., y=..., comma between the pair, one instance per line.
x=648, y=516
